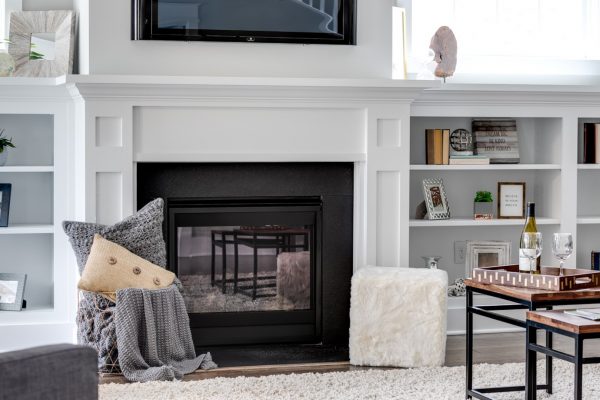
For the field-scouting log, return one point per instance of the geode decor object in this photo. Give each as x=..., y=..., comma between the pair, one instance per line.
x=444, y=45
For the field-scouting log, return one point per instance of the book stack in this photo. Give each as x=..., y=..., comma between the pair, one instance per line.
x=591, y=143
x=596, y=260
x=497, y=139
x=438, y=146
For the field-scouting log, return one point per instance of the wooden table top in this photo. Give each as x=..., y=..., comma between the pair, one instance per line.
x=537, y=294
x=566, y=322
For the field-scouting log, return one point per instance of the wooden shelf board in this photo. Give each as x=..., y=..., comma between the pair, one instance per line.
x=29, y=315
x=490, y=167
x=23, y=229
x=24, y=168
x=456, y=222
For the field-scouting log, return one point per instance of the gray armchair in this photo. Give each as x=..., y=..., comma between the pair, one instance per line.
x=61, y=372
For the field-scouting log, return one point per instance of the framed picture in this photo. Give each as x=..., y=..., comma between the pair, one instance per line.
x=12, y=287
x=486, y=254
x=42, y=43
x=5, y=189
x=435, y=199
x=511, y=200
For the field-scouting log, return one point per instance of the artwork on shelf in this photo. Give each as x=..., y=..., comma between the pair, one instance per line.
x=497, y=139
x=461, y=143
x=42, y=42
x=12, y=287
x=5, y=189
x=511, y=200
x=444, y=45
x=486, y=254
x=435, y=199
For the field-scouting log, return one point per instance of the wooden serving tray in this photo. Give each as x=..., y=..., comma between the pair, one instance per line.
x=548, y=279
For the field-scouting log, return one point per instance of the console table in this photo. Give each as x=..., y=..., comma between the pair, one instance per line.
x=521, y=298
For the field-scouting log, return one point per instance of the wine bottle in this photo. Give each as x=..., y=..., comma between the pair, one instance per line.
x=530, y=227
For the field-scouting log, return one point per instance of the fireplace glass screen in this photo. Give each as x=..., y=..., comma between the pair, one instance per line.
x=246, y=258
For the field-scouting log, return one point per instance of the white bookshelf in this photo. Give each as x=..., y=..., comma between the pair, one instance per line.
x=36, y=113
x=470, y=222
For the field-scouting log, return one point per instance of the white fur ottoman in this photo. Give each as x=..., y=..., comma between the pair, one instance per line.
x=398, y=317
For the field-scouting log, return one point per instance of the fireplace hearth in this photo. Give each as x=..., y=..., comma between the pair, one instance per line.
x=264, y=252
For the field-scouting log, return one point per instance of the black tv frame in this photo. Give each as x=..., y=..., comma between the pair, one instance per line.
x=144, y=27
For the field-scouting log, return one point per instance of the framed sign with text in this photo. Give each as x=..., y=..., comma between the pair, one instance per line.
x=511, y=200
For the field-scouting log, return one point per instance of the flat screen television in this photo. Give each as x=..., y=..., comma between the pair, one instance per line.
x=285, y=21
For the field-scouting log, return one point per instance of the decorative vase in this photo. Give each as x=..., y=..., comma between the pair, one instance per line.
x=7, y=65
x=483, y=210
x=432, y=261
x=3, y=158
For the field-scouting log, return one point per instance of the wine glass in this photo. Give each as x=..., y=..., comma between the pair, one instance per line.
x=562, y=247
x=531, y=247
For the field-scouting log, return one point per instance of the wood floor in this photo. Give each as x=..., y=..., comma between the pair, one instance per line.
x=490, y=348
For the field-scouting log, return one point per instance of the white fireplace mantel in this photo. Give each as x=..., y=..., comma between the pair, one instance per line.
x=123, y=120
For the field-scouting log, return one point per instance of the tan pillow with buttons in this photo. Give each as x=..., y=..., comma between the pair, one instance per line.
x=111, y=267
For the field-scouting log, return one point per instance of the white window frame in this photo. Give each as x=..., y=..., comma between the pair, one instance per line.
x=6, y=7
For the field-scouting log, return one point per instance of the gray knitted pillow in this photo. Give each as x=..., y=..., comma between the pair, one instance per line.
x=141, y=233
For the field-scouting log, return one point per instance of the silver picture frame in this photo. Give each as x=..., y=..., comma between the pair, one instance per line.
x=12, y=288
x=435, y=199
x=56, y=29
x=486, y=254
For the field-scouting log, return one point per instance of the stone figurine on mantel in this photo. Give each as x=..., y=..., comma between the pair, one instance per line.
x=444, y=45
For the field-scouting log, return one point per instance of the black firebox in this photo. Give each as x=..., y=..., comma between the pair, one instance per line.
x=263, y=250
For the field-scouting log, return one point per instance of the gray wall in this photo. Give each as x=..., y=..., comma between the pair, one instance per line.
x=42, y=5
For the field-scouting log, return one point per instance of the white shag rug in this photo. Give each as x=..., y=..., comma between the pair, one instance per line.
x=443, y=383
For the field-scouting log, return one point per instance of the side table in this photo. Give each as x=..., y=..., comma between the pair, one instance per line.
x=524, y=299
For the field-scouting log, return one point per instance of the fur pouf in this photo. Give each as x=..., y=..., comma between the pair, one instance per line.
x=398, y=317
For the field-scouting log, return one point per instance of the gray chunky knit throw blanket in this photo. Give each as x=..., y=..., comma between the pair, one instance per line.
x=153, y=336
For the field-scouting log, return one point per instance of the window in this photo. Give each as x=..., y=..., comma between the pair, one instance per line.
x=511, y=36
x=6, y=7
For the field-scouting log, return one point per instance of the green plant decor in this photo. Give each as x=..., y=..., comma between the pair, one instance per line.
x=5, y=142
x=483, y=197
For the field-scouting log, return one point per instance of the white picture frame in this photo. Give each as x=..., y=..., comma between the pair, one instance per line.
x=486, y=254
x=435, y=199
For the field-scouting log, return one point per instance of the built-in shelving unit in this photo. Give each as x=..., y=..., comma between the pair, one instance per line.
x=491, y=167
x=469, y=221
x=35, y=114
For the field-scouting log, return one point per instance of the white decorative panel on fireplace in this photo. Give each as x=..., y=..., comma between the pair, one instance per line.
x=109, y=132
x=388, y=133
x=388, y=218
x=242, y=130
x=109, y=197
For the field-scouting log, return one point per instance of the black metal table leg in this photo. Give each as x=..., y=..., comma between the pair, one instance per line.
x=469, y=334
x=212, y=259
x=236, y=266
x=531, y=363
x=549, y=364
x=224, y=253
x=255, y=278
x=578, y=384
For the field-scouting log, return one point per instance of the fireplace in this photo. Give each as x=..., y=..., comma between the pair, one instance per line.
x=264, y=250
x=250, y=267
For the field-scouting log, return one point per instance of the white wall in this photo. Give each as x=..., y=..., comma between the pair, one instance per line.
x=43, y=5
x=112, y=52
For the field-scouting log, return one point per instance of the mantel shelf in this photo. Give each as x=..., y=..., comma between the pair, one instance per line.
x=26, y=168
x=25, y=229
x=490, y=167
x=455, y=222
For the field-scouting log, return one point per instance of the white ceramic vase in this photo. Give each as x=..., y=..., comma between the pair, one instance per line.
x=3, y=158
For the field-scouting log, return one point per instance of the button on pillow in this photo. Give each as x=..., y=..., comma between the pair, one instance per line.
x=111, y=267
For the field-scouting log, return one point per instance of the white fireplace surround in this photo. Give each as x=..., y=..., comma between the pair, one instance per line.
x=121, y=121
